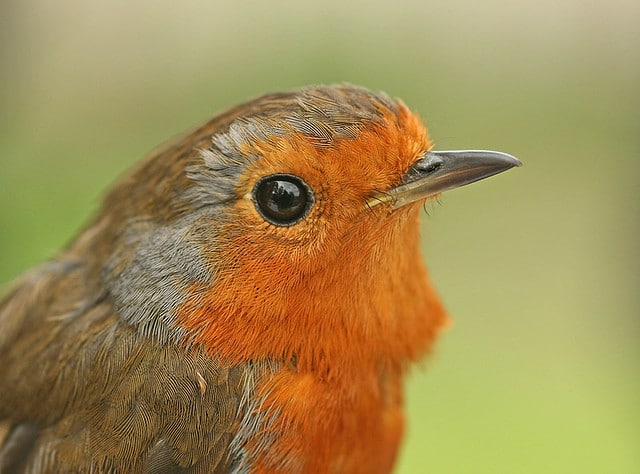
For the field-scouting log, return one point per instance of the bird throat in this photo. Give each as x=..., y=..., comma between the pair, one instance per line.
x=370, y=304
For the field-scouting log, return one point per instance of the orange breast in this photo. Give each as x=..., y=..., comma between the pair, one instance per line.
x=351, y=425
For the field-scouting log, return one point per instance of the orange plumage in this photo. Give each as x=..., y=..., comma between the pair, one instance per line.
x=345, y=293
x=271, y=260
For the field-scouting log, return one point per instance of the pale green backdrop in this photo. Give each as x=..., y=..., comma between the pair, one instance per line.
x=540, y=372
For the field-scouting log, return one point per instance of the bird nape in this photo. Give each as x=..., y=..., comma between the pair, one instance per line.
x=248, y=299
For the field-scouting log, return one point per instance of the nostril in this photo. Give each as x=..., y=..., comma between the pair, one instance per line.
x=429, y=164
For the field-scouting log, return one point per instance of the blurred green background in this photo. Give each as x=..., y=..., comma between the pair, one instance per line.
x=539, y=267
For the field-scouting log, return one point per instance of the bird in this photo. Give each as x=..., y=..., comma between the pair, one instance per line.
x=247, y=299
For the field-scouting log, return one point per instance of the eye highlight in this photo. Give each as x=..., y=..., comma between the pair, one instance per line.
x=282, y=199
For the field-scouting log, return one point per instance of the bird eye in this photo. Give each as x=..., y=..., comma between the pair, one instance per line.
x=282, y=199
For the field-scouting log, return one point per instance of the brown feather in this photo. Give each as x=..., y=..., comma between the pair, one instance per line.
x=88, y=383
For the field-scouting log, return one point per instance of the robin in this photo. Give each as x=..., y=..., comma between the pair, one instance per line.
x=247, y=300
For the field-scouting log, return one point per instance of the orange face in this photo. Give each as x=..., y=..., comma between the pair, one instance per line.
x=339, y=179
x=341, y=269
x=316, y=254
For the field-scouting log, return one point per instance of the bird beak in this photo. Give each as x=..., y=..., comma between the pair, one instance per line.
x=439, y=171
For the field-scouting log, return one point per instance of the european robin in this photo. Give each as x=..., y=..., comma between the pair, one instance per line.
x=247, y=300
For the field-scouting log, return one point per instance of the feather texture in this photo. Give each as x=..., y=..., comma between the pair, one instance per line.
x=181, y=332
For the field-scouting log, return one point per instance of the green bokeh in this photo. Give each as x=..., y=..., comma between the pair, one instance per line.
x=540, y=371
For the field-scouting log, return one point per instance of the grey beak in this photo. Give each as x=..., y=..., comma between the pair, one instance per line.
x=439, y=171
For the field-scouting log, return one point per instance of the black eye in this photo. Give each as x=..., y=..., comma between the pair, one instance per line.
x=282, y=199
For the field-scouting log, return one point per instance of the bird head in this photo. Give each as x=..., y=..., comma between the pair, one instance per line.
x=285, y=228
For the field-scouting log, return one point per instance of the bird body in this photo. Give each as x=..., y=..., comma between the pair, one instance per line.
x=247, y=300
